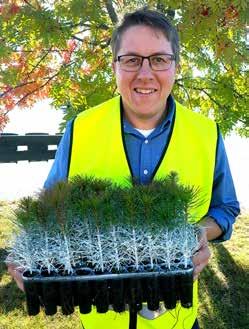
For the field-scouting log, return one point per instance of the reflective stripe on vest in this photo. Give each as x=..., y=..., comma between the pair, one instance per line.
x=98, y=150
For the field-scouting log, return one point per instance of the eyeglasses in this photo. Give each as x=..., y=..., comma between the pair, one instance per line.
x=132, y=63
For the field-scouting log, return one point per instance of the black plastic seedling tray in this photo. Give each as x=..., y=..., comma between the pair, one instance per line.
x=86, y=289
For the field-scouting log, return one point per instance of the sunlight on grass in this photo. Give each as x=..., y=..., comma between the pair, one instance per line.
x=224, y=285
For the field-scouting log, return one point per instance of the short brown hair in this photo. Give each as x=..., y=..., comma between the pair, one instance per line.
x=151, y=18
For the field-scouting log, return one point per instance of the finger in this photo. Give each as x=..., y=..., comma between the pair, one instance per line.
x=203, y=255
x=17, y=276
x=199, y=268
x=195, y=277
x=19, y=280
x=200, y=260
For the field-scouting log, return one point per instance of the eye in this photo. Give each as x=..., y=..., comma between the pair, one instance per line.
x=132, y=60
x=160, y=59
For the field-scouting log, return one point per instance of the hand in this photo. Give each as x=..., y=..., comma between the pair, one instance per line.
x=16, y=275
x=201, y=257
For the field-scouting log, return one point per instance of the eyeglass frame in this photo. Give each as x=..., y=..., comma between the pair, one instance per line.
x=171, y=56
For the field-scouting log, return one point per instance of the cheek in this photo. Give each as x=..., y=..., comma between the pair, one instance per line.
x=123, y=81
x=168, y=81
x=120, y=84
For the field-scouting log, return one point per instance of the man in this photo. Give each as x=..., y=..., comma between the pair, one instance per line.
x=145, y=133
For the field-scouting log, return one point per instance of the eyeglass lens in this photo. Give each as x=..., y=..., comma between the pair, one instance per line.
x=157, y=62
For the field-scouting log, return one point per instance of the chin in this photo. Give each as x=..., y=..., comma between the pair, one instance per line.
x=146, y=114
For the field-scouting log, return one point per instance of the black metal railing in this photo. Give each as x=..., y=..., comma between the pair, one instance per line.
x=29, y=147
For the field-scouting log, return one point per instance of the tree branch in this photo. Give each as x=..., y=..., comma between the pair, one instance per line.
x=38, y=63
x=77, y=38
x=111, y=11
x=42, y=86
x=228, y=86
x=29, y=4
x=187, y=93
x=215, y=82
x=38, y=88
x=5, y=113
x=16, y=87
x=210, y=97
x=42, y=50
x=101, y=26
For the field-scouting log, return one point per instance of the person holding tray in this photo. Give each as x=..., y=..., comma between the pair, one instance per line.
x=144, y=133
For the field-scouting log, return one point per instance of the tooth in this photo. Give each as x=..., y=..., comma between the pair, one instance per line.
x=145, y=91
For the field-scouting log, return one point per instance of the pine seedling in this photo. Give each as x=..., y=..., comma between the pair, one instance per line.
x=110, y=228
x=93, y=208
x=60, y=199
x=21, y=252
x=26, y=211
x=131, y=220
x=111, y=214
x=96, y=213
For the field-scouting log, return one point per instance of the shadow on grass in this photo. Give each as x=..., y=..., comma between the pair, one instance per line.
x=11, y=297
x=225, y=292
x=3, y=267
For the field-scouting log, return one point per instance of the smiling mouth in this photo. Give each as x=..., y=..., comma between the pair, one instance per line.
x=145, y=91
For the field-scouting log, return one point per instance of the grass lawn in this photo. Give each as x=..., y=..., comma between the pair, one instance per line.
x=223, y=287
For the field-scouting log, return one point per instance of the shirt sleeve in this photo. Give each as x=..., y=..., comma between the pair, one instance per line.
x=224, y=206
x=59, y=169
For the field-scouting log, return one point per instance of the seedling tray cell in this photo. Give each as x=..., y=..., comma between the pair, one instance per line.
x=108, y=290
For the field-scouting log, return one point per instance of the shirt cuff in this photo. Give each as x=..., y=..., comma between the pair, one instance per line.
x=224, y=221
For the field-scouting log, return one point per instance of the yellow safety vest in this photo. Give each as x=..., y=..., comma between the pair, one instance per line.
x=98, y=150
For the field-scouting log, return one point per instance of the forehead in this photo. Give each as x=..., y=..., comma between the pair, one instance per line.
x=144, y=40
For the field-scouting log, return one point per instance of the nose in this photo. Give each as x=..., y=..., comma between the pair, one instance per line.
x=145, y=69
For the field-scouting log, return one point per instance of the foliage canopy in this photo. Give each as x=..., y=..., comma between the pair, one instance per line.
x=60, y=49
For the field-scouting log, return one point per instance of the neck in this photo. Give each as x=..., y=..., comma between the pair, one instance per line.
x=144, y=123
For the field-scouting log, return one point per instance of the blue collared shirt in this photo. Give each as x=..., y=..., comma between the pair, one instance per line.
x=144, y=154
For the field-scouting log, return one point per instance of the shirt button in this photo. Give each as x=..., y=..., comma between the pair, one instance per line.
x=145, y=171
x=146, y=141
